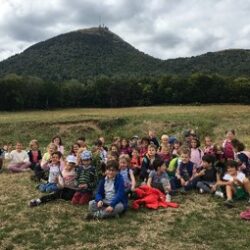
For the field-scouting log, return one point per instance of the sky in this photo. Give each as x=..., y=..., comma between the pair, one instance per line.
x=161, y=28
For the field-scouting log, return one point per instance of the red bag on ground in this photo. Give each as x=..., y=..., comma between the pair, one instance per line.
x=245, y=215
x=151, y=198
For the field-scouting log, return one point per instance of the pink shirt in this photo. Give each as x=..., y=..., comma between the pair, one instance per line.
x=196, y=156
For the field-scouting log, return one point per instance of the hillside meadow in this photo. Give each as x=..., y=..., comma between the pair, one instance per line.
x=201, y=221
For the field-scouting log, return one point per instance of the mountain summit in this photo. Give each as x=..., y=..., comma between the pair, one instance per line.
x=80, y=54
x=87, y=53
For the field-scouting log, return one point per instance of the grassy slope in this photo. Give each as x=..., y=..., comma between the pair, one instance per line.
x=201, y=222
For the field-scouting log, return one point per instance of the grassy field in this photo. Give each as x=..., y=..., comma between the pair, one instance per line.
x=201, y=221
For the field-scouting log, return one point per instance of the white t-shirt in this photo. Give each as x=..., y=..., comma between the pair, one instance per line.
x=240, y=176
x=54, y=171
x=17, y=157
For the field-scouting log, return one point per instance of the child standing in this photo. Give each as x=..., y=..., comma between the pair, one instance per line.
x=19, y=159
x=110, y=199
x=158, y=178
x=86, y=180
x=126, y=173
x=54, y=172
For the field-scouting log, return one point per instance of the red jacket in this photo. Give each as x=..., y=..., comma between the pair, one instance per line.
x=151, y=198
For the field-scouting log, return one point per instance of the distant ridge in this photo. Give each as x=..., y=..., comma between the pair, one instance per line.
x=87, y=53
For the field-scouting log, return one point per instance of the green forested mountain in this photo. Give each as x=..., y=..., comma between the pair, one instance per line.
x=88, y=53
x=79, y=55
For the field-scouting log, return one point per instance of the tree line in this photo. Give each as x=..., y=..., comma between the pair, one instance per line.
x=27, y=92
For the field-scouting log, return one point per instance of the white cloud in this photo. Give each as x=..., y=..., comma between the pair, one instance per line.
x=161, y=28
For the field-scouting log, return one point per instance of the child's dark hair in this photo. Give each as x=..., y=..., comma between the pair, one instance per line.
x=98, y=143
x=208, y=158
x=239, y=146
x=60, y=139
x=112, y=164
x=115, y=155
x=158, y=163
x=145, y=139
x=232, y=164
x=197, y=142
x=231, y=130
x=81, y=139
x=58, y=153
x=185, y=150
x=72, y=147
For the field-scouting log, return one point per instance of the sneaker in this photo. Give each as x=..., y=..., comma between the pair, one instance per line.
x=168, y=198
x=219, y=194
x=201, y=191
x=229, y=203
x=34, y=203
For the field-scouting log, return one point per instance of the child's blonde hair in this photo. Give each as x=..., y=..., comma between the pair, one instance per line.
x=166, y=137
x=125, y=157
x=32, y=142
x=52, y=145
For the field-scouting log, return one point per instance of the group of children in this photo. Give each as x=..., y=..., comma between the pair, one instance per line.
x=104, y=178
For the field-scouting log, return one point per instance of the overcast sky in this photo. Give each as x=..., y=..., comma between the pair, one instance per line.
x=161, y=28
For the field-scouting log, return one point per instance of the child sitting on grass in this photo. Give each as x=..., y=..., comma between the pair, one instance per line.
x=41, y=170
x=135, y=162
x=110, y=199
x=185, y=173
x=54, y=172
x=2, y=154
x=127, y=173
x=86, y=180
x=237, y=185
x=158, y=178
x=144, y=147
x=227, y=145
x=206, y=177
x=196, y=153
x=35, y=155
x=66, y=184
x=147, y=162
x=241, y=156
x=164, y=154
x=58, y=141
x=125, y=148
x=19, y=159
x=209, y=147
